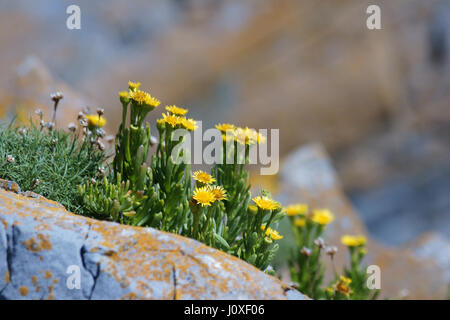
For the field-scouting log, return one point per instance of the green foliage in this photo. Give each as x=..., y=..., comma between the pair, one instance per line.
x=306, y=263
x=49, y=162
x=160, y=194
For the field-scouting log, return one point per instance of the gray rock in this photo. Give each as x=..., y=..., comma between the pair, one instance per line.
x=43, y=248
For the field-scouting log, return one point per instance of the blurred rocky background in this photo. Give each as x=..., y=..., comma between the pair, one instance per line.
x=377, y=101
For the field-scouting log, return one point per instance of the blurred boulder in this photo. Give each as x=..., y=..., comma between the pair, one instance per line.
x=30, y=89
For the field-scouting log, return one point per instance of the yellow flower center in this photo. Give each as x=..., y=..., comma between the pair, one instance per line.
x=203, y=196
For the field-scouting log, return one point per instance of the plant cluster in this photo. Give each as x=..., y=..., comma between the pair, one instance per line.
x=306, y=261
x=213, y=208
x=146, y=184
x=49, y=162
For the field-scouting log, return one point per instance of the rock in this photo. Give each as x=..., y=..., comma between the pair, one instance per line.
x=421, y=272
x=42, y=246
x=30, y=89
x=433, y=246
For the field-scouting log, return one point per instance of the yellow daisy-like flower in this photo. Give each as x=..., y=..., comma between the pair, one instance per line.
x=296, y=209
x=245, y=135
x=203, y=196
x=94, y=120
x=322, y=216
x=124, y=96
x=203, y=177
x=266, y=203
x=219, y=192
x=172, y=120
x=342, y=286
x=300, y=222
x=353, y=241
x=144, y=98
x=271, y=233
x=133, y=85
x=189, y=124
x=224, y=127
x=173, y=109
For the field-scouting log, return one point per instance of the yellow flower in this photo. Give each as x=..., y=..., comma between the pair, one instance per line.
x=124, y=96
x=143, y=98
x=300, y=222
x=265, y=203
x=94, y=120
x=224, y=127
x=353, y=241
x=203, y=196
x=189, y=124
x=219, y=192
x=271, y=233
x=133, y=85
x=203, y=177
x=322, y=216
x=342, y=286
x=296, y=209
x=245, y=135
x=172, y=120
x=176, y=110
x=345, y=280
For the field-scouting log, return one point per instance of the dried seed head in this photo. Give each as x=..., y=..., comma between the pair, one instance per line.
x=10, y=159
x=100, y=111
x=56, y=96
x=36, y=182
x=331, y=250
x=22, y=131
x=93, y=181
x=83, y=123
x=101, y=170
x=306, y=251
x=42, y=123
x=39, y=113
x=50, y=125
x=55, y=142
x=319, y=242
x=100, y=132
x=81, y=116
x=72, y=127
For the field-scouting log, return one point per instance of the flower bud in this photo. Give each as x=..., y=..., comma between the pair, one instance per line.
x=10, y=159
x=306, y=251
x=331, y=251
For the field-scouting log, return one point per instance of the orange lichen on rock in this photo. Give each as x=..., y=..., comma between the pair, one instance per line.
x=42, y=243
x=48, y=274
x=23, y=290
